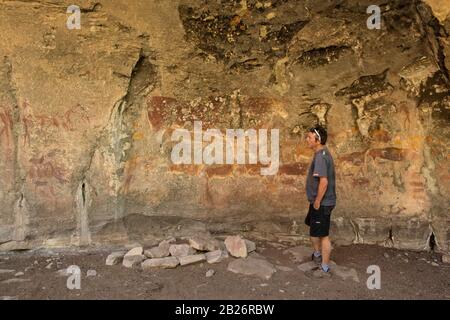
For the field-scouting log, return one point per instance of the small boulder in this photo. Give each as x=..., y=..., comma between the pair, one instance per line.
x=115, y=258
x=133, y=257
x=161, y=251
x=132, y=261
x=134, y=252
x=181, y=250
x=216, y=256
x=236, y=246
x=204, y=243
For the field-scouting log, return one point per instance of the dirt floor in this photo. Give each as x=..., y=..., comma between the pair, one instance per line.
x=404, y=275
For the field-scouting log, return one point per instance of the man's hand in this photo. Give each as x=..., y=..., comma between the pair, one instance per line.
x=323, y=185
x=316, y=204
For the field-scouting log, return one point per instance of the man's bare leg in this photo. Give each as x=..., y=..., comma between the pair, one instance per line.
x=326, y=250
x=316, y=243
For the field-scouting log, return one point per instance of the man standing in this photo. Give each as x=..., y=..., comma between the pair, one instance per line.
x=321, y=193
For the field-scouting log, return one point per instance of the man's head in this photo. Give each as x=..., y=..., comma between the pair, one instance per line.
x=316, y=136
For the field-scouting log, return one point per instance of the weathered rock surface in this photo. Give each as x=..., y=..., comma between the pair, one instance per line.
x=161, y=251
x=216, y=256
x=191, y=259
x=204, y=243
x=181, y=250
x=236, y=246
x=87, y=116
x=115, y=258
x=165, y=263
x=252, y=267
x=133, y=257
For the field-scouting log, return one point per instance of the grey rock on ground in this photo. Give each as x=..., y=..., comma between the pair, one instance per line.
x=192, y=259
x=216, y=256
x=236, y=246
x=204, y=243
x=252, y=267
x=161, y=251
x=181, y=250
x=115, y=258
x=165, y=263
x=133, y=257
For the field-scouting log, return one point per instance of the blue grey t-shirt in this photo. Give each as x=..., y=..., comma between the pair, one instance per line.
x=322, y=165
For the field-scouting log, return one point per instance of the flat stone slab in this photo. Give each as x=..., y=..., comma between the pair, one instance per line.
x=2, y=271
x=252, y=267
x=165, y=263
x=192, y=259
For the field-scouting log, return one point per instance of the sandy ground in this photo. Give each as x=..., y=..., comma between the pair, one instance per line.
x=404, y=275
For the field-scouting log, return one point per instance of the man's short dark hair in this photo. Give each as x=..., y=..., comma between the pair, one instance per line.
x=320, y=133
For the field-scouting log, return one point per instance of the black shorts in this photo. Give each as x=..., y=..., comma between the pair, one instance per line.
x=319, y=221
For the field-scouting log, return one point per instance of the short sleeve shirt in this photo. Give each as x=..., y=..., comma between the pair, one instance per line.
x=322, y=165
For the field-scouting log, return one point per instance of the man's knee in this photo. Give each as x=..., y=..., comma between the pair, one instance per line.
x=325, y=239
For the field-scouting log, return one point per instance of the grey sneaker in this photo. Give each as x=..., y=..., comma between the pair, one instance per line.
x=317, y=260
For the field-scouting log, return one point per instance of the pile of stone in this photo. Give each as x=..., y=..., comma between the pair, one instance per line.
x=170, y=254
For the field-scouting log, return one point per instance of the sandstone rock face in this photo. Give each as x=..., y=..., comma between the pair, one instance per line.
x=87, y=117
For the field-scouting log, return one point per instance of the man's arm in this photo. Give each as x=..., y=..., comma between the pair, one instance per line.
x=323, y=185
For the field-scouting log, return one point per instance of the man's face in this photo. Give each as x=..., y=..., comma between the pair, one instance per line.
x=311, y=140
